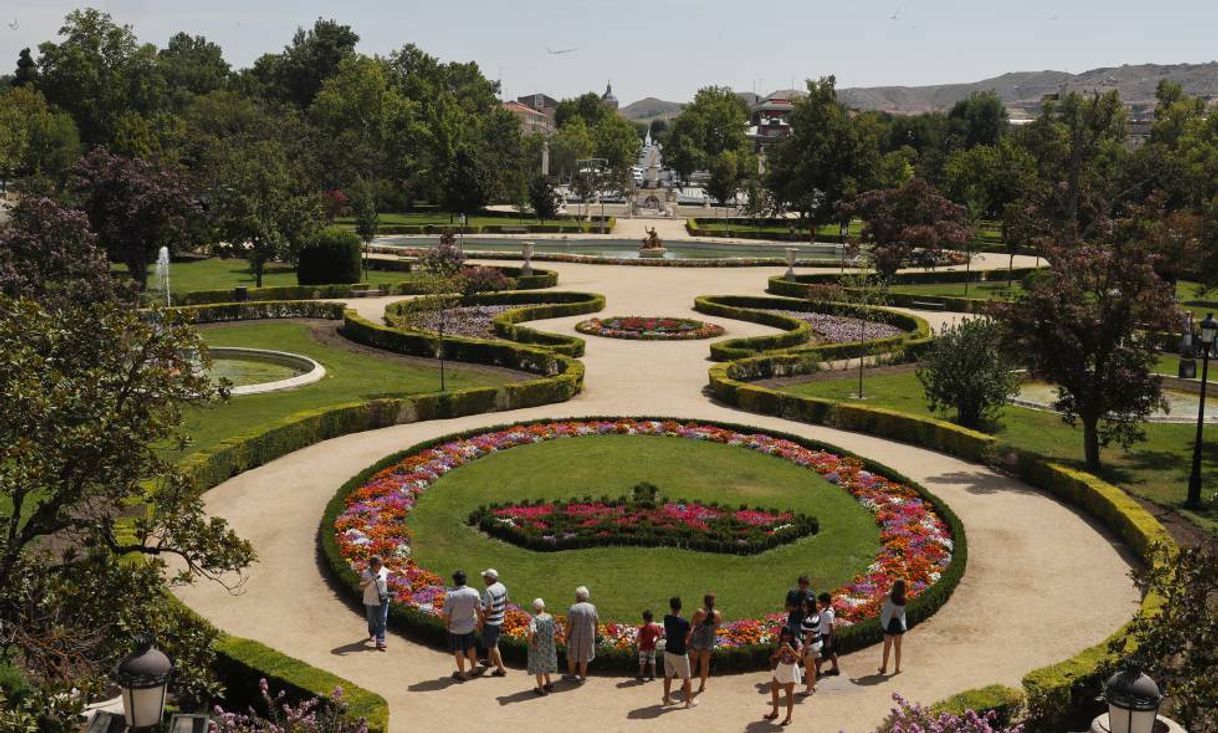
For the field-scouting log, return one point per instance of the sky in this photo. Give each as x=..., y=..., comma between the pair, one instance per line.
x=670, y=48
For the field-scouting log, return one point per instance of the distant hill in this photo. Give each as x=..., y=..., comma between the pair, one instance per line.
x=650, y=108
x=1020, y=90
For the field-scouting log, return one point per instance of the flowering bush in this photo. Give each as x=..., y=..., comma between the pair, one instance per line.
x=649, y=328
x=910, y=717
x=641, y=520
x=482, y=280
x=915, y=543
x=318, y=715
x=445, y=259
x=831, y=329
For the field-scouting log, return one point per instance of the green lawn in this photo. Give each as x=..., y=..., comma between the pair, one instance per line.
x=350, y=377
x=220, y=274
x=981, y=290
x=443, y=219
x=626, y=580
x=1198, y=305
x=771, y=227
x=1156, y=469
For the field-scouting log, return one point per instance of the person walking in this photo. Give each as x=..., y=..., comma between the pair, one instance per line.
x=582, y=621
x=785, y=661
x=892, y=620
x=461, y=611
x=494, y=607
x=705, y=624
x=810, y=637
x=676, y=656
x=375, y=583
x=828, y=639
x=795, y=602
x=543, y=659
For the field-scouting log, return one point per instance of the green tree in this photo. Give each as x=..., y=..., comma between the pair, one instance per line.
x=967, y=371
x=467, y=185
x=191, y=65
x=586, y=107
x=571, y=143
x=896, y=221
x=367, y=219
x=1079, y=326
x=314, y=55
x=989, y=177
x=725, y=177
x=134, y=207
x=979, y=119
x=614, y=139
x=714, y=122
x=27, y=70
x=543, y=198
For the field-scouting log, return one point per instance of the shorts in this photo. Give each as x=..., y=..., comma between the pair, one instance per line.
x=647, y=656
x=826, y=646
x=894, y=627
x=788, y=674
x=461, y=642
x=490, y=636
x=676, y=665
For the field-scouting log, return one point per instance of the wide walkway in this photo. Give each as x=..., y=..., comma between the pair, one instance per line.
x=1042, y=583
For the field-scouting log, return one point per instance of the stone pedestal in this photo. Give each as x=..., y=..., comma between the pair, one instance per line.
x=1162, y=725
x=652, y=252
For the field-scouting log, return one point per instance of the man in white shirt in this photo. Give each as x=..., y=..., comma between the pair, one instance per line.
x=494, y=608
x=375, y=582
x=462, y=607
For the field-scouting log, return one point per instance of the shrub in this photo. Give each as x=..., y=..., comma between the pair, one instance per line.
x=964, y=369
x=315, y=715
x=910, y=717
x=483, y=279
x=333, y=256
x=445, y=259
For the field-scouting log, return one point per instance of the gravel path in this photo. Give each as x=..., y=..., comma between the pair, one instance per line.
x=1042, y=582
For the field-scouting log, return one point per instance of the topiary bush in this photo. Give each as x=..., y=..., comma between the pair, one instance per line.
x=331, y=257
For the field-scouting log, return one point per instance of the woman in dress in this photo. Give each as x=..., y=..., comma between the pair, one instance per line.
x=705, y=624
x=892, y=620
x=785, y=661
x=543, y=661
x=581, y=635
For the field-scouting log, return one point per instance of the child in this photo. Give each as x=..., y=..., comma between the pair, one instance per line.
x=649, y=632
x=785, y=661
x=809, y=634
x=827, y=640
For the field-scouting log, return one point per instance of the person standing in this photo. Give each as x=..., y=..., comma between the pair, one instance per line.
x=582, y=621
x=795, y=602
x=892, y=620
x=648, y=634
x=676, y=656
x=810, y=637
x=461, y=610
x=494, y=607
x=543, y=660
x=375, y=583
x=705, y=624
x=785, y=662
x=828, y=639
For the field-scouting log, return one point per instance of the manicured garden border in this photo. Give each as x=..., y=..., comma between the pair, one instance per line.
x=538, y=280
x=598, y=327
x=430, y=630
x=798, y=288
x=798, y=332
x=533, y=307
x=476, y=254
x=1054, y=693
x=258, y=310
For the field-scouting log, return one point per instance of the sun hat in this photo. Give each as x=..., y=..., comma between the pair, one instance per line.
x=491, y=573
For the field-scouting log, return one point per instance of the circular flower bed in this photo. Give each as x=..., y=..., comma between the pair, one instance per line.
x=916, y=541
x=649, y=328
x=641, y=519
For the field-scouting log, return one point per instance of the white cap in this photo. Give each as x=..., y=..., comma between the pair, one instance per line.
x=491, y=573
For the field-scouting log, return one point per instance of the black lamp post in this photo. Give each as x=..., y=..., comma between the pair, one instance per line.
x=143, y=677
x=1133, y=701
x=1209, y=328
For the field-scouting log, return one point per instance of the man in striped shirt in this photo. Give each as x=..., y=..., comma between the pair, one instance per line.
x=494, y=606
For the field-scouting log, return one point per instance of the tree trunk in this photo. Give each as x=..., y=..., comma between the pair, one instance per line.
x=1091, y=443
x=257, y=263
x=138, y=269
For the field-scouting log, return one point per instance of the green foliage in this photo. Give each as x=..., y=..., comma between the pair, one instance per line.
x=543, y=198
x=1006, y=702
x=37, y=142
x=966, y=370
x=331, y=256
x=712, y=124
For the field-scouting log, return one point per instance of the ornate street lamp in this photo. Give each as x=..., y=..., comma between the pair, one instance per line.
x=143, y=677
x=1133, y=701
x=1209, y=329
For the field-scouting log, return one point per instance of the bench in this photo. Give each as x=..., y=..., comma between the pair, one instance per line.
x=929, y=305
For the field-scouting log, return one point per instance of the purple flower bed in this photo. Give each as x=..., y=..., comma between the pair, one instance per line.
x=832, y=329
x=473, y=321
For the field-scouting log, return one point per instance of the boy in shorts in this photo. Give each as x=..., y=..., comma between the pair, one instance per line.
x=649, y=633
x=828, y=648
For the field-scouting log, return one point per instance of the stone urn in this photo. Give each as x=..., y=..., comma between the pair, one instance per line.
x=526, y=249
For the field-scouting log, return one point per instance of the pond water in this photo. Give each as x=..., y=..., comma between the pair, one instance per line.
x=243, y=372
x=1183, y=404
x=627, y=248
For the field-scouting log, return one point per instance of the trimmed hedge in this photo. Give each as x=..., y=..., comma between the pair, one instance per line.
x=555, y=305
x=429, y=629
x=241, y=663
x=560, y=378
x=749, y=308
x=332, y=256
x=1006, y=702
x=1055, y=694
x=250, y=311
x=539, y=279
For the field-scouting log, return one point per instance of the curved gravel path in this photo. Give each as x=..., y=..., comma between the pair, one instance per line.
x=1042, y=582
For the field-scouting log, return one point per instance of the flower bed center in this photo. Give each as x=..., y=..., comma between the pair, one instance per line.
x=644, y=519
x=649, y=328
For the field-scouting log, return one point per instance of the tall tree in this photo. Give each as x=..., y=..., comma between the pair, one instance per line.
x=1080, y=326
x=191, y=65
x=586, y=106
x=714, y=122
x=898, y=220
x=467, y=185
x=27, y=69
x=979, y=119
x=543, y=198
x=725, y=177
x=48, y=253
x=314, y=55
x=134, y=207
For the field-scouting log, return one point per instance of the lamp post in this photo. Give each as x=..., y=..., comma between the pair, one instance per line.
x=1133, y=701
x=1209, y=328
x=143, y=677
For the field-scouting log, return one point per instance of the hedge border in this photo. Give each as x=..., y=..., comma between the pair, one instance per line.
x=539, y=279
x=579, y=259
x=429, y=630
x=533, y=307
x=1056, y=692
x=799, y=332
x=798, y=288
x=259, y=310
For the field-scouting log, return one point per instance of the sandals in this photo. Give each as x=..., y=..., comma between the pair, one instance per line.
x=499, y=673
x=770, y=716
